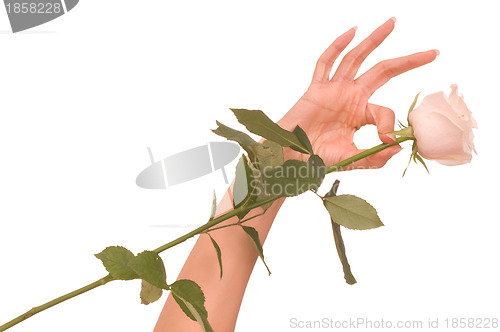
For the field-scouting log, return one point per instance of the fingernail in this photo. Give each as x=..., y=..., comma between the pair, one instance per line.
x=395, y=150
x=437, y=52
x=394, y=19
x=355, y=28
x=392, y=137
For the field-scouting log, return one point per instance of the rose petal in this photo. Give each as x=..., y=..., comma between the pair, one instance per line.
x=440, y=139
x=443, y=126
x=459, y=106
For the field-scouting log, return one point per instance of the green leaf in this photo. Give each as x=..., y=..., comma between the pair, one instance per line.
x=214, y=207
x=149, y=293
x=302, y=136
x=254, y=238
x=352, y=212
x=259, y=193
x=318, y=170
x=243, y=183
x=262, y=195
x=149, y=266
x=246, y=142
x=294, y=177
x=191, y=300
x=269, y=154
x=258, y=123
x=218, y=252
x=115, y=260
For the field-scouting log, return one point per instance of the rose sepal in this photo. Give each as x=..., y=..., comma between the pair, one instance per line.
x=415, y=157
x=403, y=132
x=411, y=108
x=407, y=131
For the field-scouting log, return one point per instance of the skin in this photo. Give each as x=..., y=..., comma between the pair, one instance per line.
x=330, y=112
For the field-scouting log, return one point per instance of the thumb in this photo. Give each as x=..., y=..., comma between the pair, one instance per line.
x=378, y=159
x=384, y=119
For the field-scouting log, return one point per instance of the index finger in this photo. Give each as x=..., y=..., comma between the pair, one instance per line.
x=383, y=71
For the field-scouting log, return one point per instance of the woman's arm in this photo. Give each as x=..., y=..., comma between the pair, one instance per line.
x=329, y=112
x=223, y=296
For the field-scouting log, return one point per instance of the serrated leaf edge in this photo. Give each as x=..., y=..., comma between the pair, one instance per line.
x=328, y=201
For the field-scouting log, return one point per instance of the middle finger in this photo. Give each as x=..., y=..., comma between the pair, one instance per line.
x=352, y=61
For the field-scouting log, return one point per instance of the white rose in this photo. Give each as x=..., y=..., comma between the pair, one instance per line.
x=443, y=126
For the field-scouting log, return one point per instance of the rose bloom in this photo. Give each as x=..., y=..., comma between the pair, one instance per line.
x=443, y=126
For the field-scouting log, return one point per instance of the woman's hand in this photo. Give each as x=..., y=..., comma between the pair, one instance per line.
x=332, y=110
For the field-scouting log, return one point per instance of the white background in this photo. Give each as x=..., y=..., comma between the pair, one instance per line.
x=83, y=96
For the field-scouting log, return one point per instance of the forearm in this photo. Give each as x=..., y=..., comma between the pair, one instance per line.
x=223, y=296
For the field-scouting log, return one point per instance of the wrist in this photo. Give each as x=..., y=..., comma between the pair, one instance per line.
x=289, y=154
x=292, y=119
